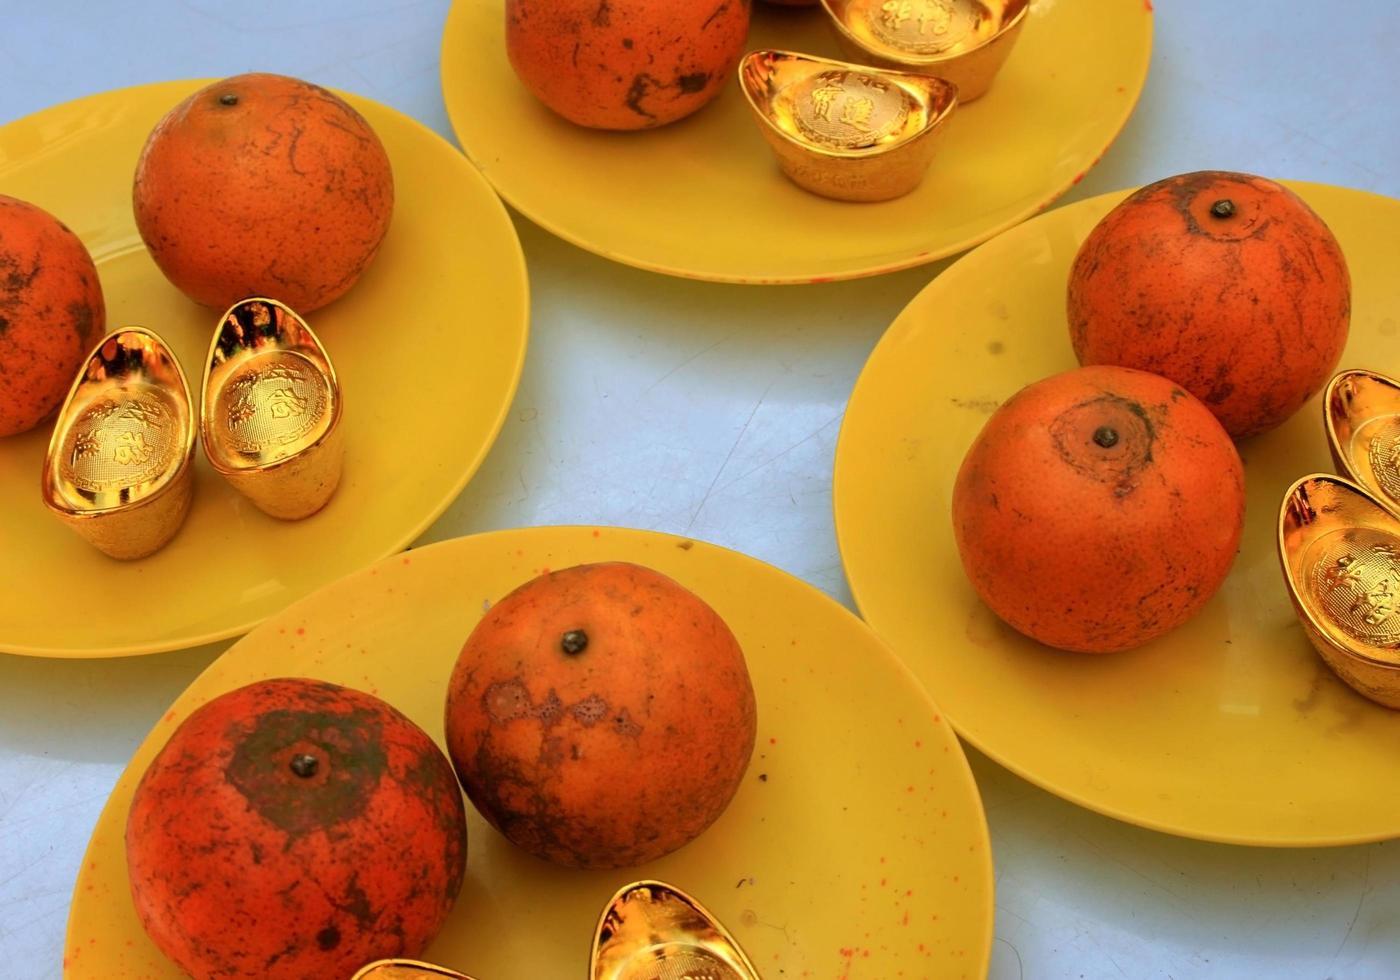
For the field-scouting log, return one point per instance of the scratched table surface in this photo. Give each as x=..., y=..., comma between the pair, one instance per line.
x=713, y=411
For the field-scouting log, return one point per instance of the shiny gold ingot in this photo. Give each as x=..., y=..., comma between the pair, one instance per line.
x=405, y=970
x=961, y=41
x=270, y=410
x=118, y=467
x=1340, y=550
x=654, y=931
x=1361, y=413
x=843, y=131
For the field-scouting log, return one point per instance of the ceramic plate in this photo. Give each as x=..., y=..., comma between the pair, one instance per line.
x=855, y=847
x=1228, y=729
x=428, y=346
x=704, y=198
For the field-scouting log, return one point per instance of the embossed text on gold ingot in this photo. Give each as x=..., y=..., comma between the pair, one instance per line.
x=1355, y=576
x=1383, y=446
x=927, y=26
x=1340, y=552
x=961, y=41
x=846, y=132
x=654, y=931
x=847, y=109
x=273, y=406
x=270, y=409
x=117, y=468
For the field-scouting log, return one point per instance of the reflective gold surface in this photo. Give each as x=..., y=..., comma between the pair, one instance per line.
x=844, y=131
x=963, y=41
x=1361, y=412
x=654, y=931
x=404, y=970
x=1340, y=550
x=270, y=410
x=117, y=468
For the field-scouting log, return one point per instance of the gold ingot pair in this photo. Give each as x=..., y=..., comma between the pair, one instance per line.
x=844, y=131
x=119, y=464
x=649, y=930
x=1339, y=538
x=964, y=42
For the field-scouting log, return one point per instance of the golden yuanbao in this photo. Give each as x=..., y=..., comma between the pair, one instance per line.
x=601, y=716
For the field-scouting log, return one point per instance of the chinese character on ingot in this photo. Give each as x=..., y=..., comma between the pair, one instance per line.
x=285, y=403
x=241, y=410
x=822, y=99
x=895, y=12
x=935, y=16
x=85, y=445
x=1375, y=606
x=148, y=413
x=131, y=448
x=856, y=113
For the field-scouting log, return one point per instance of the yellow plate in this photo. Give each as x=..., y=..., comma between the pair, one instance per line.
x=856, y=845
x=428, y=346
x=704, y=198
x=1229, y=729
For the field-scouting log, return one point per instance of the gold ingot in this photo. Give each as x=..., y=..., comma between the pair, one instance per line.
x=1340, y=550
x=118, y=469
x=405, y=970
x=962, y=41
x=654, y=931
x=844, y=131
x=1361, y=413
x=270, y=410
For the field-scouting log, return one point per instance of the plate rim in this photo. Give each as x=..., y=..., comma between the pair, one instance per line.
x=976, y=739
x=937, y=716
x=515, y=259
x=867, y=270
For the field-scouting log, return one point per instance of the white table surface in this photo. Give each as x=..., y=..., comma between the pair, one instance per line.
x=734, y=396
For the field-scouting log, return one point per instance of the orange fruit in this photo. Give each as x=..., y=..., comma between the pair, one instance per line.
x=625, y=64
x=1099, y=509
x=263, y=185
x=600, y=716
x=291, y=829
x=1226, y=283
x=51, y=312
